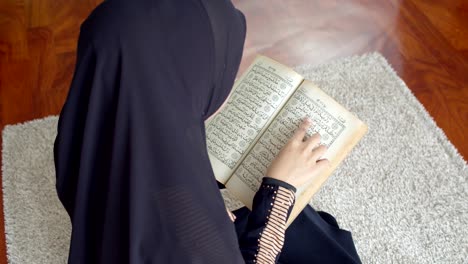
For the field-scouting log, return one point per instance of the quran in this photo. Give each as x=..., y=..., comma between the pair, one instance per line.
x=265, y=107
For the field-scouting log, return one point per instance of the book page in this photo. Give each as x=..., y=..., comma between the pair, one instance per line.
x=231, y=202
x=257, y=96
x=335, y=125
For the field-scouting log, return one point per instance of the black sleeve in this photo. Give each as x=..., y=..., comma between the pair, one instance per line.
x=263, y=237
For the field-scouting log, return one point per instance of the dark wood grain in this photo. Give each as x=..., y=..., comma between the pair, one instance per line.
x=426, y=41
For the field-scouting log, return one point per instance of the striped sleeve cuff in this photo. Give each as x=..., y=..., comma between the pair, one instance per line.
x=269, y=180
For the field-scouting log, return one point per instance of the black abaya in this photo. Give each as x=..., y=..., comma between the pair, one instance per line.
x=313, y=237
x=131, y=161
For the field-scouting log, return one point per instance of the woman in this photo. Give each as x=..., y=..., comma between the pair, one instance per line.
x=131, y=162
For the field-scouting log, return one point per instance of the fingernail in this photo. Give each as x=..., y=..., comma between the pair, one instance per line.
x=308, y=120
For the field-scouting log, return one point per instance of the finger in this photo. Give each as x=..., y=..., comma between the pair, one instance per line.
x=318, y=152
x=301, y=130
x=312, y=142
x=322, y=164
x=231, y=215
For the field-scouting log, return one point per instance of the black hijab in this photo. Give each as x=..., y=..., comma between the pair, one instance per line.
x=131, y=162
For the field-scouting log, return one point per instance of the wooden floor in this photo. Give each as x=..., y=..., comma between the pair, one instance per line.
x=426, y=41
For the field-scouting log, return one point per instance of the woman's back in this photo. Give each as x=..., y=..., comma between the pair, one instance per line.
x=131, y=162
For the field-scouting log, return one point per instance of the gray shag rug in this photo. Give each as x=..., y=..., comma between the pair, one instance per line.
x=402, y=192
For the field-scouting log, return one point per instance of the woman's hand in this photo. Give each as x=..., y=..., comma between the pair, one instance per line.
x=298, y=161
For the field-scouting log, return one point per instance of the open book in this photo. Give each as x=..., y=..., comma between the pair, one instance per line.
x=265, y=107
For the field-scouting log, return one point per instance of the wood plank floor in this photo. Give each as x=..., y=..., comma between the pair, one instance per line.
x=426, y=41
